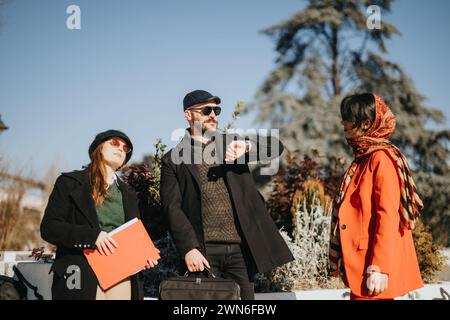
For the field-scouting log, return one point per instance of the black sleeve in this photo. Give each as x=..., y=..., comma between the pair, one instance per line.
x=263, y=148
x=57, y=229
x=180, y=227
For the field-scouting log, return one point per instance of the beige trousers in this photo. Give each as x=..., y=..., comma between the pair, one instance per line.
x=121, y=291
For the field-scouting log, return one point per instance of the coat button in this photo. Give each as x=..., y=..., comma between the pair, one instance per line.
x=343, y=227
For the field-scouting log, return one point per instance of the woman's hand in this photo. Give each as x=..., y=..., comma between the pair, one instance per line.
x=151, y=263
x=377, y=283
x=105, y=243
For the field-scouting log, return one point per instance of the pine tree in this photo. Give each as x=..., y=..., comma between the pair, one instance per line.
x=327, y=51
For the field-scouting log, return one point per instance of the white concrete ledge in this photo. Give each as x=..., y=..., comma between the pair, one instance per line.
x=439, y=291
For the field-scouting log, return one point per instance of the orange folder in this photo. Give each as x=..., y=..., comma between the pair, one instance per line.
x=130, y=257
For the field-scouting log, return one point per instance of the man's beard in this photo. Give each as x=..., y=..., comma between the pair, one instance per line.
x=201, y=127
x=213, y=125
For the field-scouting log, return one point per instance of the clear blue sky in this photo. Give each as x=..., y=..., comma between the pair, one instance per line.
x=132, y=62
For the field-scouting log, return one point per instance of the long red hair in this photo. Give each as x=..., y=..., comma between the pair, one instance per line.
x=98, y=177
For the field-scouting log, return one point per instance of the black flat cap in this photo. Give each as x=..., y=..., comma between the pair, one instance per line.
x=198, y=96
x=109, y=134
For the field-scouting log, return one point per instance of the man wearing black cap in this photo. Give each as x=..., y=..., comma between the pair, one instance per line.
x=216, y=215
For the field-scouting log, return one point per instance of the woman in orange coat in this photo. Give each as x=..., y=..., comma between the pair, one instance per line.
x=371, y=243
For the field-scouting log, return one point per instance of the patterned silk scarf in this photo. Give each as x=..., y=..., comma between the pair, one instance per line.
x=373, y=140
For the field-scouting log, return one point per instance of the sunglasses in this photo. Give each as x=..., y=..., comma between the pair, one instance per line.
x=116, y=143
x=207, y=110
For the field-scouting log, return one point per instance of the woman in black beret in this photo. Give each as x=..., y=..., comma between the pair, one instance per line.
x=83, y=207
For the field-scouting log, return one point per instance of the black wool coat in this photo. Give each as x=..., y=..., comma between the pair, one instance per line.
x=263, y=247
x=70, y=222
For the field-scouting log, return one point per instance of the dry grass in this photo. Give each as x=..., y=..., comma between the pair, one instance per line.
x=10, y=212
x=19, y=225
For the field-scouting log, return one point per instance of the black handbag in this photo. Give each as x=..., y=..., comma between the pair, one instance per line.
x=195, y=286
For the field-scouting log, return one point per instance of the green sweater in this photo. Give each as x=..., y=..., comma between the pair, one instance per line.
x=111, y=214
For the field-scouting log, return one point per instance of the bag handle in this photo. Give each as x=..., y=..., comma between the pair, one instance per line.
x=206, y=271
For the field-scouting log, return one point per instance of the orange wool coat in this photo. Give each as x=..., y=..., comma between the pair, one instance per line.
x=369, y=224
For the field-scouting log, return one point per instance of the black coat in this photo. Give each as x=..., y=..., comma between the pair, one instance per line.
x=70, y=222
x=264, y=248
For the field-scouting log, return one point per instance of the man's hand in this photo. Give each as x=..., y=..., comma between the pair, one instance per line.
x=377, y=283
x=236, y=149
x=195, y=261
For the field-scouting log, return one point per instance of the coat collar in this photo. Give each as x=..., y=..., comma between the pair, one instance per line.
x=187, y=142
x=81, y=195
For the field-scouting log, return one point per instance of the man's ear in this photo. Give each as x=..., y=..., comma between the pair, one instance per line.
x=188, y=116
